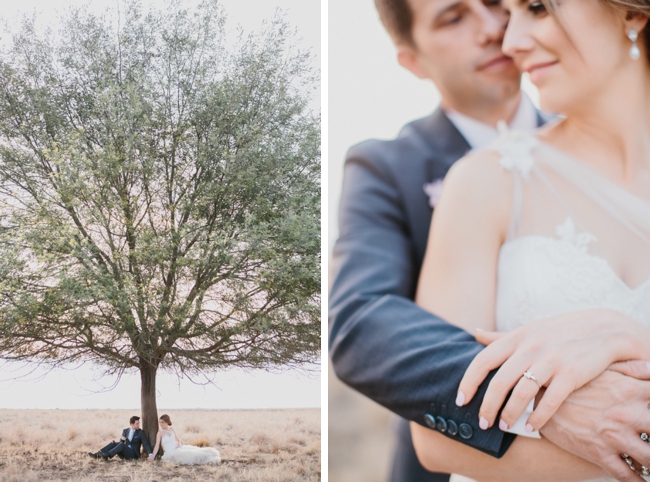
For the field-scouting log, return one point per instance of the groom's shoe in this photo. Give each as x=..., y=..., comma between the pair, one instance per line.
x=94, y=455
x=103, y=455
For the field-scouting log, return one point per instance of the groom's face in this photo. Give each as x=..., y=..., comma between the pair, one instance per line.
x=135, y=425
x=457, y=44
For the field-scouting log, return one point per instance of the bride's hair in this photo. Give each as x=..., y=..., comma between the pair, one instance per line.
x=165, y=418
x=635, y=7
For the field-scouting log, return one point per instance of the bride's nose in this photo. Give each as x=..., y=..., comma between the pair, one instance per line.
x=517, y=39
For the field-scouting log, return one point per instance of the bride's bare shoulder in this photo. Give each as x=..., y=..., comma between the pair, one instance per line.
x=479, y=163
x=479, y=181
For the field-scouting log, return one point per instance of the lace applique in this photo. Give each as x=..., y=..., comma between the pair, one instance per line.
x=567, y=233
x=516, y=149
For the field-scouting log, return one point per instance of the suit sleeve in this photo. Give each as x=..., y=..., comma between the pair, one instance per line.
x=145, y=442
x=381, y=343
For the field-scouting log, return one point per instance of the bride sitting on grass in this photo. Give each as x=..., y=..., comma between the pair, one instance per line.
x=178, y=453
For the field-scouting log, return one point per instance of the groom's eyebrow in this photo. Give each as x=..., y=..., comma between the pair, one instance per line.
x=446, y=9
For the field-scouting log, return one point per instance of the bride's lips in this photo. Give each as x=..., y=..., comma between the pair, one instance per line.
x=496, y=64
x=539, y=71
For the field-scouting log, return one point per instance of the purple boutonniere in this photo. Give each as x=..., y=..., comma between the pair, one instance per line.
x=434, y=191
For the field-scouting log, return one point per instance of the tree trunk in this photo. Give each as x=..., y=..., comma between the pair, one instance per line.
x=148, y=401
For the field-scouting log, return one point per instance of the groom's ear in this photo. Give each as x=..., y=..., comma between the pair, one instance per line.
x=408, y=57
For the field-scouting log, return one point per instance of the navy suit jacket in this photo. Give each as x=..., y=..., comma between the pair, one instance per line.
x=139, y=439
x=381, y=343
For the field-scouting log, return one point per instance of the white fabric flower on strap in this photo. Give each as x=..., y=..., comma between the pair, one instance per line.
x=567, y=233
x=516, y=149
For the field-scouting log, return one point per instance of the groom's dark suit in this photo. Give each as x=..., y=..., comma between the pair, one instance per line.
x=381, y=343
x=128, y=449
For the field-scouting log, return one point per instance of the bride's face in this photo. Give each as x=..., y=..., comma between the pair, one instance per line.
x=163, y=424
x=572, y=55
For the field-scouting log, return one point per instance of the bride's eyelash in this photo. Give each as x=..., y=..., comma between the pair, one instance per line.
x=537, y=8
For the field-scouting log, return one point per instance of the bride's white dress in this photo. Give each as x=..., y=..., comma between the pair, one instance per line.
x=187, y=454
x=568, y=222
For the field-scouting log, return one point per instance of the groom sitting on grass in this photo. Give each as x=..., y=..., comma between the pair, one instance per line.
x=129, y=445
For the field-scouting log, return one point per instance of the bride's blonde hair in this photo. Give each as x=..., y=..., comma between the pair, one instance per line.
x=633, y=7
x=165, y=418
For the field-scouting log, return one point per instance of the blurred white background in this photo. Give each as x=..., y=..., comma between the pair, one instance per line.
x=370, y=94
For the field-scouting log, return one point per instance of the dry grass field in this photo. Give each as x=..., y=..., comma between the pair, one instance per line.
x=255, y=445
x=361, y=438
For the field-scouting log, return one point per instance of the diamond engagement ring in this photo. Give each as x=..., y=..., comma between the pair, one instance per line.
x=528, y=374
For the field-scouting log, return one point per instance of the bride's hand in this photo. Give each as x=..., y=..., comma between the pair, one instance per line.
x=563, y=353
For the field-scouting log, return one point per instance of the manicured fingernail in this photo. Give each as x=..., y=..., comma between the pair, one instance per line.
x=460, y=399
x=529, y=428
x=483, y=423
x=647, y=364
x=503, y=425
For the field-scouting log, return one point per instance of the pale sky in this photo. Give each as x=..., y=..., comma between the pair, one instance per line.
x=249, y=14
x=83, y=388
x=78, y=388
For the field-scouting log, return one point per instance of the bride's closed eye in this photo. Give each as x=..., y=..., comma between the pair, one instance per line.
x=537, y=8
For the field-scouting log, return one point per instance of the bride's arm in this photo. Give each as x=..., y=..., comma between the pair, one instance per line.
x=458, y=283
x=458, y=276
x=178, y=441
x=155, y=449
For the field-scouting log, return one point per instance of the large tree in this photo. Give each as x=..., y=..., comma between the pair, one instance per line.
x=159, y=195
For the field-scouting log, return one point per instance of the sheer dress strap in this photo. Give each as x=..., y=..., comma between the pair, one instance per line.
x=518, y=155
x=516, y=150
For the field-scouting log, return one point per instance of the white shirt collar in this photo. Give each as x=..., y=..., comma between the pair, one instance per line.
x=478, y=134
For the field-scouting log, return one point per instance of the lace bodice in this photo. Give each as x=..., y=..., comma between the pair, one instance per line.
x=168, y=442
x=543, y=276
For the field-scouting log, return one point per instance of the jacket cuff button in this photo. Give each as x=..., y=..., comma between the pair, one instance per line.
x=465, y=431
x=441, y=424
x=429, y=420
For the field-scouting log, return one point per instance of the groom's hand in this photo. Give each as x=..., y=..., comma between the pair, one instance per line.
x=603, y=420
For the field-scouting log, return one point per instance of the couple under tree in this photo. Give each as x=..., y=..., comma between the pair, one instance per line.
x=511, y=327
x=133, y=438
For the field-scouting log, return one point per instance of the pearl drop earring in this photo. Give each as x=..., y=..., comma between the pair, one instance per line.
x=635, y=53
